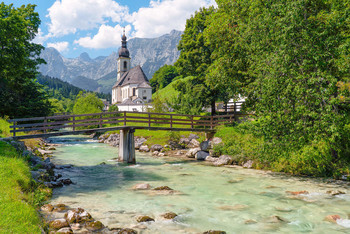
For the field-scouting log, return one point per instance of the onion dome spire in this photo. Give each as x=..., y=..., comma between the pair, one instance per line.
x=123, y=51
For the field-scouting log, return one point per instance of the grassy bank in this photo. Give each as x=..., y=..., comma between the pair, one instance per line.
x=313, y=159
x=4, y=128
x=19, y=194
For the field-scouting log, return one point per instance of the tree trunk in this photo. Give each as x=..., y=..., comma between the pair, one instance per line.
x=213, y=108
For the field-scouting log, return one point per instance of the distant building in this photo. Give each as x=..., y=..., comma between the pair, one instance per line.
x=132, y=87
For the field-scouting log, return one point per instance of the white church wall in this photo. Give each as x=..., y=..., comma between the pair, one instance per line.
x=135, y=108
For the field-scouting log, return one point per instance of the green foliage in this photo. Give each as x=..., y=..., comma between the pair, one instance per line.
x=193, y=95
x=57, y=88
x=113, y=108
x=159, y=106
x=164, y=76
x=194, y=60
x=19, y=195
x=20, y=95
x=87, y=103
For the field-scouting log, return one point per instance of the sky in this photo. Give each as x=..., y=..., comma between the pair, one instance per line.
x=96, y=26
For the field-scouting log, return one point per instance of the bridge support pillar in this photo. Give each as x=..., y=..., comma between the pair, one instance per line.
x=127, y=146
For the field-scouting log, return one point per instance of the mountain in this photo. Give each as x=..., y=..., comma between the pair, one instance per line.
x=150, y=53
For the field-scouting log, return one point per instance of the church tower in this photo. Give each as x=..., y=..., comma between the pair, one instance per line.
x=124, y=58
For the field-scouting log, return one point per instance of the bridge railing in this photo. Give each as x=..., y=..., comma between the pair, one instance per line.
x=104, y=120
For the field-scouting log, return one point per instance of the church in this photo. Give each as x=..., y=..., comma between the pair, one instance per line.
x=132, y=86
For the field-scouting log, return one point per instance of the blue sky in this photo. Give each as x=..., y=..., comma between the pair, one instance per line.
x=95, y=26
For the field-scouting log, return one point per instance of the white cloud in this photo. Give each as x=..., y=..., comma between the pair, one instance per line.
x=40, y=38
x=60, y=46
x=106, y=37
x=68, y=16
x=163, y=16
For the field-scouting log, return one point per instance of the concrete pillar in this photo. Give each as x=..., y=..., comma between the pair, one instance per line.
x=127, y=146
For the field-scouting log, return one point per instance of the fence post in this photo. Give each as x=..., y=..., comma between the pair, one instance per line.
x=124, y=118
x=235, y=111
x=14, y=129
x=211, y=122
x=73, y=123
x=149, y=120
x=192, y=121
x=171, y=121
x=100, y=121
x=45, y=124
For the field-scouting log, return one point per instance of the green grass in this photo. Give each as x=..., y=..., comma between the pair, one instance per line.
x=4, y=128
x=19, y=195
x=169, y=92
x=163, y=137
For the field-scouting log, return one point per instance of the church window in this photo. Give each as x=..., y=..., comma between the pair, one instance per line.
x=125, y=65
x=133, y=92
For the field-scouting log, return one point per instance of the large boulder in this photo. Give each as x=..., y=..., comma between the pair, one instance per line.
x=202, y=155
x=58, y=224
x=211, y=159
x=192, y=152
x=204, y=145
x=215, y=141
x=193, y=136
x=184, y=141
x=144, y=148
x=223, y=160
x=139, y=142
x=77, y=216
x=193, y=143
x=248, y=164
x=156, y=147
x=19, y=145
x=175, y=145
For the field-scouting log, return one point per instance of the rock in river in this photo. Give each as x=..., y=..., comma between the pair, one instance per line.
x=169, y=215
x=142, y=186
x=94, y=226
x=144, y=148
x=144, y=218
x=332, y=218
x=47, y=208
x=77, y=216
x=65, y=230
x=202, y=155
x=58, y=224
x=214, y=232
x=223, y=160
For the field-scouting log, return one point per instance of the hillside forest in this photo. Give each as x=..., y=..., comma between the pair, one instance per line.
x=289, y=60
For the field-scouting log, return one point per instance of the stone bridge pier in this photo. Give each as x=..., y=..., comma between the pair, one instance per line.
x=127, y=146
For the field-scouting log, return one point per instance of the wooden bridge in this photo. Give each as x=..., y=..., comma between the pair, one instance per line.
x=126, y=122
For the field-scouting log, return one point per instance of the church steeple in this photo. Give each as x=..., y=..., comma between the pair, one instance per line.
x=123, y=51
x=124, y=58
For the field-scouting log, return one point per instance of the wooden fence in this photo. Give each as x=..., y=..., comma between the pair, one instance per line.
x=100, y=121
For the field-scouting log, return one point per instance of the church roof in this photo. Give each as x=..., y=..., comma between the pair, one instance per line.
x=133, y=76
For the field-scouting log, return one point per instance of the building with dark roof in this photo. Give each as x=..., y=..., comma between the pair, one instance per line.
x=132, y=84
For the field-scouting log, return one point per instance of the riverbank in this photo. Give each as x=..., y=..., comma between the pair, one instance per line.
x=20, y=196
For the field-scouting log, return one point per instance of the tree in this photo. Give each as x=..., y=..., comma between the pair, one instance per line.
x=194, y=60
x=87, y=103
x=298, y=53
x=164, y=76
x=20, y=95
x=227, y=74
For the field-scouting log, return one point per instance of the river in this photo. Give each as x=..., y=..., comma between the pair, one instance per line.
x=234, y=200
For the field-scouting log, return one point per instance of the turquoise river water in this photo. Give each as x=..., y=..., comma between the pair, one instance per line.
x=233, y=199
